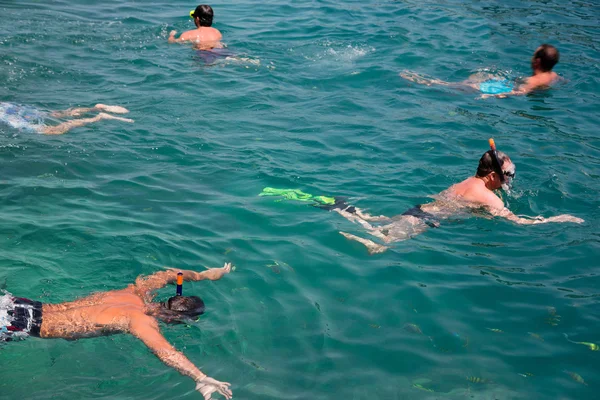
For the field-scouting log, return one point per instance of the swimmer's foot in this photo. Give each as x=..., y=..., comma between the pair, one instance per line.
x=111, y=109
x=108, y=116
x=373, y=247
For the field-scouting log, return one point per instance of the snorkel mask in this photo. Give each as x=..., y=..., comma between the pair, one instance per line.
x=507, y=176
x=179, y=309
x=178, y=291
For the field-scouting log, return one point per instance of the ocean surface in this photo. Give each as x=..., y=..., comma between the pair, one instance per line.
x=311, y=100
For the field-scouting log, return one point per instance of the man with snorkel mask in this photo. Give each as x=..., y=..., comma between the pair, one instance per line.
x=204, y=37
x=495, y=171
x=129, y=310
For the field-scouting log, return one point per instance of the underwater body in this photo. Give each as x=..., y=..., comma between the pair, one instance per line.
x=308, y=98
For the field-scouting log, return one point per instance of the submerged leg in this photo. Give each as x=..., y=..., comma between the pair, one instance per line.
x=422, y=79
x=368, y=217
x=75, y=112
x=75, y=123
x=357, y=217
x=372, y=247
x=354, y=217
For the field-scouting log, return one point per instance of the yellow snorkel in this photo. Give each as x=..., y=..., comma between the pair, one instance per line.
x=192, y=14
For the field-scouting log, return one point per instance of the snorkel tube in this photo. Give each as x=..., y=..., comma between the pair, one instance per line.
x=495, y=161
x=505, y=177
x=192, y=14
x=179, y=284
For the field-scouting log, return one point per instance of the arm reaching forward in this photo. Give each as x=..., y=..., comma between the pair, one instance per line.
x=506, y=213
x=146, y=329
x=145, y=285
x=172, y=37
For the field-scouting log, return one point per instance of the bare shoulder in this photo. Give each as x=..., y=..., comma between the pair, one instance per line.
x=217, y=33
x=479, y=194
x=189, y=35
x=491, y=200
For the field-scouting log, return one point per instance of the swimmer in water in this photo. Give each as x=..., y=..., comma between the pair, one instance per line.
x=495, y=171
x=205, y=37
x=31, y=119
x=544, y=59
x=130, y=310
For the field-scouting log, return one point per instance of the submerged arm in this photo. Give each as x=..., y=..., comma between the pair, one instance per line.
x=172, y=38
x=144, y=285
x=506, y=213
x=146, y=329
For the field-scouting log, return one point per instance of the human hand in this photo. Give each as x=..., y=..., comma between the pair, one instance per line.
x=172, y=33
x=207, y=386
x=565, y=218
x=216, y=273
x=226, y=268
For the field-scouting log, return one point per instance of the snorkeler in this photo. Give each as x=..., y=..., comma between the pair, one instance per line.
x=205, y=37
x=129, y=310
x=31, y=119
x=544, y=59
x=495, y=171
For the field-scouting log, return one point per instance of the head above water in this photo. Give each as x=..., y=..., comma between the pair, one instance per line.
x=180, y=308
x=545, y=58
x=203, y=15
x=488, y=169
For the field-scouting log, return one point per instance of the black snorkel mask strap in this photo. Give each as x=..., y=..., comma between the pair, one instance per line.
x=496, y=161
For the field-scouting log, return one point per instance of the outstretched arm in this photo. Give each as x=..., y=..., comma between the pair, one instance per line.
x=518, y=92
x=146, y=329
x=144, y=285
x=506, y=213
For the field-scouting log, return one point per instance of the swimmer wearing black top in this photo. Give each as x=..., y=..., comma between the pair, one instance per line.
x=130, y=310
x=495, y=171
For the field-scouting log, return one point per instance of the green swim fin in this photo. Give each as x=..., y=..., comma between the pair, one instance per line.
x=296, y=194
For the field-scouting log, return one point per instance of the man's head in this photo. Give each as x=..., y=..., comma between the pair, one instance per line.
x=496, y=174
x=545, y=58
x=203, y=15
x=179, y=308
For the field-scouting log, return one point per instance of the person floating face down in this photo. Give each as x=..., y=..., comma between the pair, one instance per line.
x=130, y=310
x=543, y=61
x=204, y=37
x=31, y=119
x=495, y=171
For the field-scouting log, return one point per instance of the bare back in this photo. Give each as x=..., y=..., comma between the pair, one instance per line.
x=473, y=190
x=205, y=38
x=540, y=81
x=94, y=315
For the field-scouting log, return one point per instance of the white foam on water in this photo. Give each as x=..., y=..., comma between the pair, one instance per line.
x=6, y=304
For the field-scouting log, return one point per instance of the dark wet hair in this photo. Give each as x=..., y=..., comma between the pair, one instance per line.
x=548, y=56
x=486, y=164
x=205, y=13
x=179, y=308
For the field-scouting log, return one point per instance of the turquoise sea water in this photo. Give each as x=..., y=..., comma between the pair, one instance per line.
x=313, y=101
